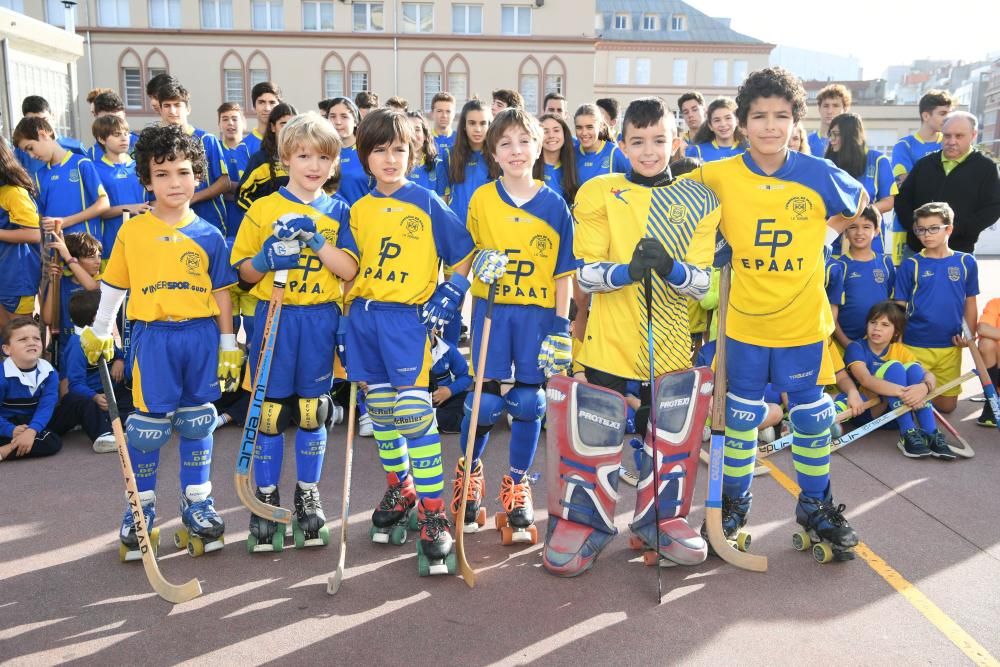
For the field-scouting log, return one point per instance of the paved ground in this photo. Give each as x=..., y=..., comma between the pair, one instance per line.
x=924, y=591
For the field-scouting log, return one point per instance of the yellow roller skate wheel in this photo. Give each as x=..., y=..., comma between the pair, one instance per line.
x=801, y=541
x=822, y=552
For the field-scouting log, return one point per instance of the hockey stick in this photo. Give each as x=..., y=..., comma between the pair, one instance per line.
x=964, y=449
x=647, y=284
x=765, y=449
x=759, y=469
x=244, y=463
x=333, y=581
x=989, y=391
x=163, y=588
x=713, y=503
x=463, y=564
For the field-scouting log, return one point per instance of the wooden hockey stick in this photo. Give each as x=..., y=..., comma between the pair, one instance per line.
x=713, y=503
x=244, y=462
x=964, y=449
x=765, y=449
x=333, y=582
x=163, y=588
x=464, y=568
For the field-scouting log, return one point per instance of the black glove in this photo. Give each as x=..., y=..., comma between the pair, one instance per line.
x=637, y=267
x=656, y=257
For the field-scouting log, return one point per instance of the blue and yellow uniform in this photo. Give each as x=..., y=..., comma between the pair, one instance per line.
x=68, y=188
x=909, y=149
x=818, y=144
x=264, y=175
x=96, y=152
x=896, y=364
x=553, y=177
x=433, y=177
x=172, y=272
x=935, y=291
x=710, y=151
x=211, y=210
x=879, y=184
x=834, y=281
x=20, y=263
x=445, y=142
x=237, y=161
x=866, y=282
x=31, y=165
x=477, y=173
x=355, y=182
x=251, y=143
x=607, y=159
x=123, y=187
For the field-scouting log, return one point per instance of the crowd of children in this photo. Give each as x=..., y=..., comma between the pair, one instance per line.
x=156, y=251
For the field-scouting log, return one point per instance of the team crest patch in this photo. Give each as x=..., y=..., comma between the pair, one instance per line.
x=74, y=176
x=879, y=276
x=330, y=235
x=677, y=213
x=954, y=275
x=799, y=207
x=413, y=226
x=540, y=245
x=606, y=163
x=192, y=262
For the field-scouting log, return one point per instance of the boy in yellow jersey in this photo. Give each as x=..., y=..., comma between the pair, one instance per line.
x=301, y=374
x=626, y=226
x=525, y=235
x=778, y=208
x=175, y=266
x=403, y=231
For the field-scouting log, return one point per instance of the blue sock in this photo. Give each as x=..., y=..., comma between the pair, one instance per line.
x=310, y=446
x=248, y=326
x=267, y=459
x=895, y=372
x=523, y=444
x=144, y=465
x=925, y=416
x=196, y=461
x=481, y=440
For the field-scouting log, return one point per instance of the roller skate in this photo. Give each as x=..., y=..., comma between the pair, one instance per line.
x=394, y=513
x=266, y=535
x=826, y=530
x=130, y=549
x=734, y=517
x=517, y=522
x=309, y=527
x=435, y=548
x=475, y=513
x=203, y=527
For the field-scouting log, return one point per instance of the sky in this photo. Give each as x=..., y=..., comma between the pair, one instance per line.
x=889, y=32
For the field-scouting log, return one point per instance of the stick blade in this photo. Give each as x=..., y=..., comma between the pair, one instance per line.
x=334, y=580
x=252, y=503
x=171, y=593
x=721, y=546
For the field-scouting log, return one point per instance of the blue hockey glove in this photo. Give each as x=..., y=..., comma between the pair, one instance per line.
x=302, y=227
x=556, y=353
x=276, y=255
x=443, y=305
x=489, y=266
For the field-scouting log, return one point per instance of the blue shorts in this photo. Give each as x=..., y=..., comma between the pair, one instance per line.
x=387, y=342
x=302, y=362
x=174, y=364
x=750, y=367
x=515, y=339
x=18, y=305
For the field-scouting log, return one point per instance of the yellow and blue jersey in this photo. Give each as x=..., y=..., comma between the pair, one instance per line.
x=711, y=151
x=537, y=238
x=434, y=177
x=818, y=144
x=865, y=284
x=935, y=290
x=445, y=143
x=477, y=173
x=263, y=176
x=401, y=239
x=909, y=149
x=607, y=159
x=96, y=152
x=171, y=270
x=20, y=263
x=834, y=281
x=355, y=182
x=860, y=352
x=123, y=187
x=612, y=214
x=237, y=160
x=68, y=188
x=310, y=282
x=211, y=210
x=879, y=183
x=775, y=226
x=251, y=143
x=553, y=177
x=32, y=166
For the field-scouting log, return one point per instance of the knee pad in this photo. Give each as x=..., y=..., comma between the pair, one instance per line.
x=525, y=402
x=275, y=416
x=195, y=422
x=743, y=414
x=381, y=401
x=314, y=413
x=491, y=405
x=413, y=414
x=813, y=418
x=146, y=432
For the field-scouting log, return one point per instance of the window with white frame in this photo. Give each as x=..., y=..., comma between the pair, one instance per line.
x=155, y=71
x=621, y=21
x=554, y=83
x=55, y=13
x=132, y=87
x=164, y=13
x=418, y=17
x=458, y=84
x=680, y=74
x=621, y=70
x=112, y=13
x=432, y=86
x=232, y=83
x=359, y=81
x=13, y=5
x=257, y=76
x=642, y=71
x=515, y=20
x=333, y=80
x=528, y=87
x=720, y=72
x=739, y=71
x=368, y=17
x=467, y=19
x=217, y=14
x=267, y=15
x=317, y=15
x=650, y=22
x=678, y=22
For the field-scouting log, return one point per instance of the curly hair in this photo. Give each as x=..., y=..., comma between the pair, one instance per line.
x=162, y=143
x=771, y=82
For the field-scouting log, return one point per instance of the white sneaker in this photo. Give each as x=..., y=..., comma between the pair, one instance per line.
x=365, y=429
x=338, y=414
x=105, y=443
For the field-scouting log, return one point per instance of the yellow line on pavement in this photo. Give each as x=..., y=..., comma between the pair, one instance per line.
x=975, y=651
